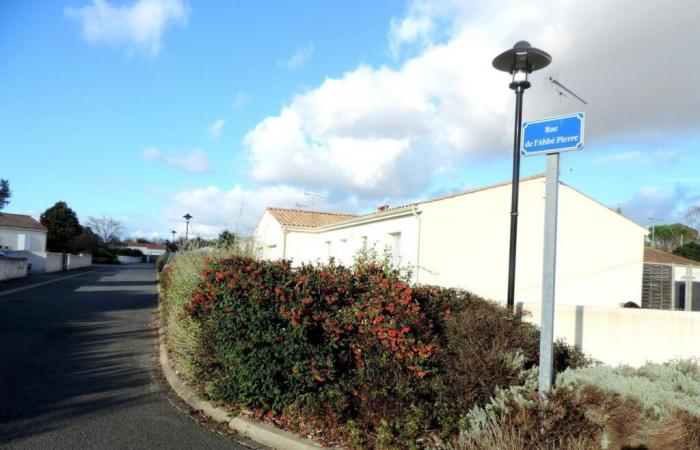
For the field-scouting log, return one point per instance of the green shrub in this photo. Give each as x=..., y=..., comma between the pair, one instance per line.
x=103, y=255
x=653, y=407
x=123, y=251
x=312, y=335
x=354, y=344
x=660, y=388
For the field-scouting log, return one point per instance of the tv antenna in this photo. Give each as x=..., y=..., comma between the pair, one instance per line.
x=299, y=205
x=562, y=91
x=313, y=196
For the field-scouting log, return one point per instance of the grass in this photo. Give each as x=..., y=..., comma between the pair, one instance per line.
x=179, y=280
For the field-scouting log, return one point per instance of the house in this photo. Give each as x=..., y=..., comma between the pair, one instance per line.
x=666, y=281
x=151, y=251
x=21, y=232
x=461, y=240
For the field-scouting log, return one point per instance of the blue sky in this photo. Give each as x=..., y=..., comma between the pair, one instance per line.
x=145, y=110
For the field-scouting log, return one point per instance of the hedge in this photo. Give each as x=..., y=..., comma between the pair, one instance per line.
x=357, y=349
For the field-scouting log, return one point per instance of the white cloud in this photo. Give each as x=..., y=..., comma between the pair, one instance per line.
x=409, y=30
x=137, y=27
x=150, y=154
x=645, y=157
x=240, y=100
x=381, y=131
x=653, y=204
x=216, y=128
x=300, y=57
x=194, y=161
x=236, y=209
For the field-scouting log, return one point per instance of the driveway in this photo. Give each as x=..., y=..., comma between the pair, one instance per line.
x=78, y=368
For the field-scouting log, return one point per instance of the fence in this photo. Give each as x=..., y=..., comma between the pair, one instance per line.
x=629, y=336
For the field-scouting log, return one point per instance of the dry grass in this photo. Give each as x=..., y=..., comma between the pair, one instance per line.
x=179, y=280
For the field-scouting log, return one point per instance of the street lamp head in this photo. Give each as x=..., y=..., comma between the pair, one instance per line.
x=187, y=217
x=522, y=60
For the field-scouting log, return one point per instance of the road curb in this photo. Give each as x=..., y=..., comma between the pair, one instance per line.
x=261, y=433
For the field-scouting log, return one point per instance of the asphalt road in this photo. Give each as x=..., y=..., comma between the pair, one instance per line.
x=78, y=368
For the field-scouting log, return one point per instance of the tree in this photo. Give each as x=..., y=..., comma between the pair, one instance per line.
x=692, y=216
x=62, y=225
x=226, y=239
x=107, y=228
x=5, y=193
x=671, y=236
x=690, y=250
x=86, y=242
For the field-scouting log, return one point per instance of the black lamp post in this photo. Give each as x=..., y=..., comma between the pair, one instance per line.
x=520, y=61
x=173, y=232
x=187, y=218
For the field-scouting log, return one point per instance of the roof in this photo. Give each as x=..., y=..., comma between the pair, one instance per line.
x=304, y=218
x=313, y=219
x=145, y=245
x=8, y=220
x=483, y=188
x=656, y=256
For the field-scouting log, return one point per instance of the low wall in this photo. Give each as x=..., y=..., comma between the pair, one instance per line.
x=629, y=336
x=41, y=262
x=129, y=259
x=54, y=262
x=79, y=261
x=12, y=268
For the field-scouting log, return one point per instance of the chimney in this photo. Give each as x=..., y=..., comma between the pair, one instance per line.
x=382, y=208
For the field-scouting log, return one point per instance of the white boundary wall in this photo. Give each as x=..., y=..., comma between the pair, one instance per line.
x=129, y=259
x=629, y=336
x=12, y=268
x=79, y=261
x=42, y=262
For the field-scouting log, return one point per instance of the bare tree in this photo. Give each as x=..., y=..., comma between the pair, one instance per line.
x=692, y=216
x=107, y=228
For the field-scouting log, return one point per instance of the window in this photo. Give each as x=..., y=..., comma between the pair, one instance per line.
x=364, y=242
x=329, y=250
x=396, y=249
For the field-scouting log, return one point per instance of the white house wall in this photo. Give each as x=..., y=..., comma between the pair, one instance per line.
x=269, y=238
x=464, y=243
x=600, y=255
x=33, y=240
x=303, y=247
x=345, y=241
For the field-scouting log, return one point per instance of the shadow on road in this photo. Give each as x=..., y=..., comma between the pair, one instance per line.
x=74, y=348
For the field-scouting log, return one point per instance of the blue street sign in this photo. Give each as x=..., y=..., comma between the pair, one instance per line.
x=554, y=135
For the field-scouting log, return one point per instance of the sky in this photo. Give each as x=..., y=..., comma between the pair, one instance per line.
x=144, y=110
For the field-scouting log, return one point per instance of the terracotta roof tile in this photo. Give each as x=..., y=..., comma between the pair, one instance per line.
x=304, y=218
x=20, y=221
x=654, y=255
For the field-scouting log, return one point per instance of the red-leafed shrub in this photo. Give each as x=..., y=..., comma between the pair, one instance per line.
x=278, y=336
x=351, y=345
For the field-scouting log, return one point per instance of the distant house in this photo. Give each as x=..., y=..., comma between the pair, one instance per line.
x=461, y=240
x=21, y=232
x=151, y=251
x=670, y=281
